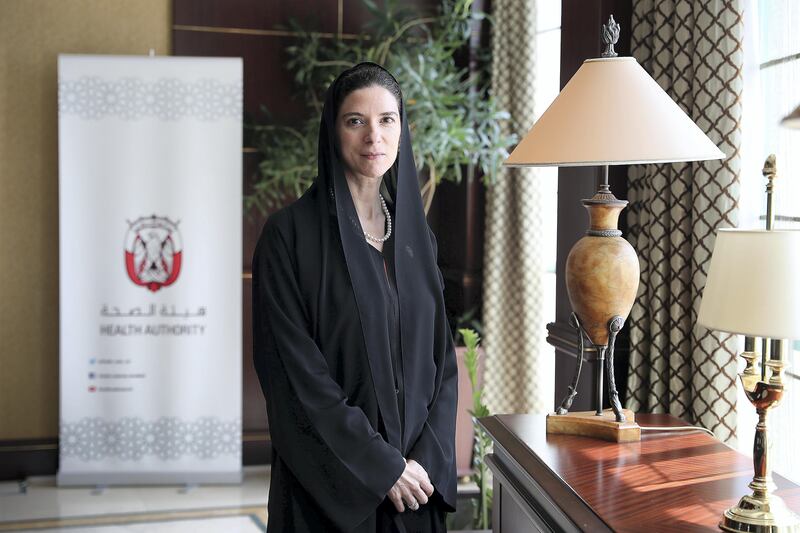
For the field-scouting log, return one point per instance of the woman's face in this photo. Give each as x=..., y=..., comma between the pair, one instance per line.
x=368, y=128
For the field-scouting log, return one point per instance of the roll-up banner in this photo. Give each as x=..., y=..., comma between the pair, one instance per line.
x=150, y=250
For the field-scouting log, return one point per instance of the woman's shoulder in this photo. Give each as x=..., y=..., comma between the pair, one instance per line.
x=288, y=223
x=292, y=218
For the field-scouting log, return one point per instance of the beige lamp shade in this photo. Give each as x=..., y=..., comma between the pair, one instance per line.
x=612, y=112
x=792, y=120
x=753, y=284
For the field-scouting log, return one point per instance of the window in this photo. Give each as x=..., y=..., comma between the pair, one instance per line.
x=772, y=91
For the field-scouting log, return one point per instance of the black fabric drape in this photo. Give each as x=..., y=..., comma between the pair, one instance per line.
x=383, y=263
x=322, y=352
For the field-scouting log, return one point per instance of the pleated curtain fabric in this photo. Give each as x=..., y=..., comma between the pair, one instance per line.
x=693, y=49
x=513, y=267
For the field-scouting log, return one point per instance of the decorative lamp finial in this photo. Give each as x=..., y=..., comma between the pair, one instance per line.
x=610, y=37
x=770, y=171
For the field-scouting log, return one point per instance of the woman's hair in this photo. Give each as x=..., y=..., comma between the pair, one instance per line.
x=365, y=75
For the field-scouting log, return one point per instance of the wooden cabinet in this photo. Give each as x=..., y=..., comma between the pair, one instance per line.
x=670, y=481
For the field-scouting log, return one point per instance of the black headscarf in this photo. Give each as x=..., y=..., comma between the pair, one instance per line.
x=298, y=284
x=419, y=284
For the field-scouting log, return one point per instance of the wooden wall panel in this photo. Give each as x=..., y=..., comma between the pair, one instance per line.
x=321, y=16
x=266, y=80
x=355, y=15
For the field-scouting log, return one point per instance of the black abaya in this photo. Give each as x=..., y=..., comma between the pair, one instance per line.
x=383, y=262
x=431, y=516
x=328, y=351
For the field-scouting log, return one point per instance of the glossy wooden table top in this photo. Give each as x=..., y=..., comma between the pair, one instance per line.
x=670, y=481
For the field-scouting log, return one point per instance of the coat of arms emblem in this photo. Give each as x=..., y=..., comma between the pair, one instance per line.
x=153, y=251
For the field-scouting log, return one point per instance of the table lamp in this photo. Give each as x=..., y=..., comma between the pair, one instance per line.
x=792, y=120
x=753, y=288
x=610, y=113
x=759, y=298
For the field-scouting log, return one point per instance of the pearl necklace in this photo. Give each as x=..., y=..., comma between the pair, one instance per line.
x=388, y=223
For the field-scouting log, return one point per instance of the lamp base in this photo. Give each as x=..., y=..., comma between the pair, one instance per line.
x=761, y=511
x=760, y=515
x=590, y=424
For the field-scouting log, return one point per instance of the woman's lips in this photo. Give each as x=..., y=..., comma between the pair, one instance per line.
x=372, y=157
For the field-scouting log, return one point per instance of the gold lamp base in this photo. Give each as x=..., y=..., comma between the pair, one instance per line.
x=761, y=511
x=755, y=514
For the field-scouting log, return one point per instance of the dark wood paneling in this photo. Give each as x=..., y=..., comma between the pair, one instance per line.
x=30, y=457
x=256, y=448
x=314, y=15
x=580, y=40
x=355, y=15
x=254, y=221
x=670, y=481
x=266, y=78
x=457, y=219
x=457, y=214
x=254, y=413
x=39, y=457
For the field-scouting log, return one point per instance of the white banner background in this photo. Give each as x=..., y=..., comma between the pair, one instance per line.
x=150, y=379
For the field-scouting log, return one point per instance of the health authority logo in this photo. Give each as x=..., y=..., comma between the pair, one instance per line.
x=153, y=250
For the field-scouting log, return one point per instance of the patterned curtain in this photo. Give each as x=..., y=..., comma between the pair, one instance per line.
x=512, y=265
x=693, y=49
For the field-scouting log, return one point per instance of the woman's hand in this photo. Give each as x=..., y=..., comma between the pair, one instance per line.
x=412, y=488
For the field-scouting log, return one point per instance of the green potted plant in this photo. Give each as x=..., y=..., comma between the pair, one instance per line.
x=478, y=517
x=465, y=433
x=453, y=119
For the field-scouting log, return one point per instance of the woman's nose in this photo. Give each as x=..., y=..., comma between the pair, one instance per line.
x=373, y=134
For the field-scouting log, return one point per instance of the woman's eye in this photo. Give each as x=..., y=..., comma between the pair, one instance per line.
x=388, y=120
x=354, y=121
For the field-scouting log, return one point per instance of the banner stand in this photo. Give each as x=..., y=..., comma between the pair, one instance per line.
x=150, y=260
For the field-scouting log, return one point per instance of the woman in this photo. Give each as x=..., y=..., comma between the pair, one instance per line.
x=351, y=342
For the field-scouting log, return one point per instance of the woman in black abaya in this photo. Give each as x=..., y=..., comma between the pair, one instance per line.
x=351, y=342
